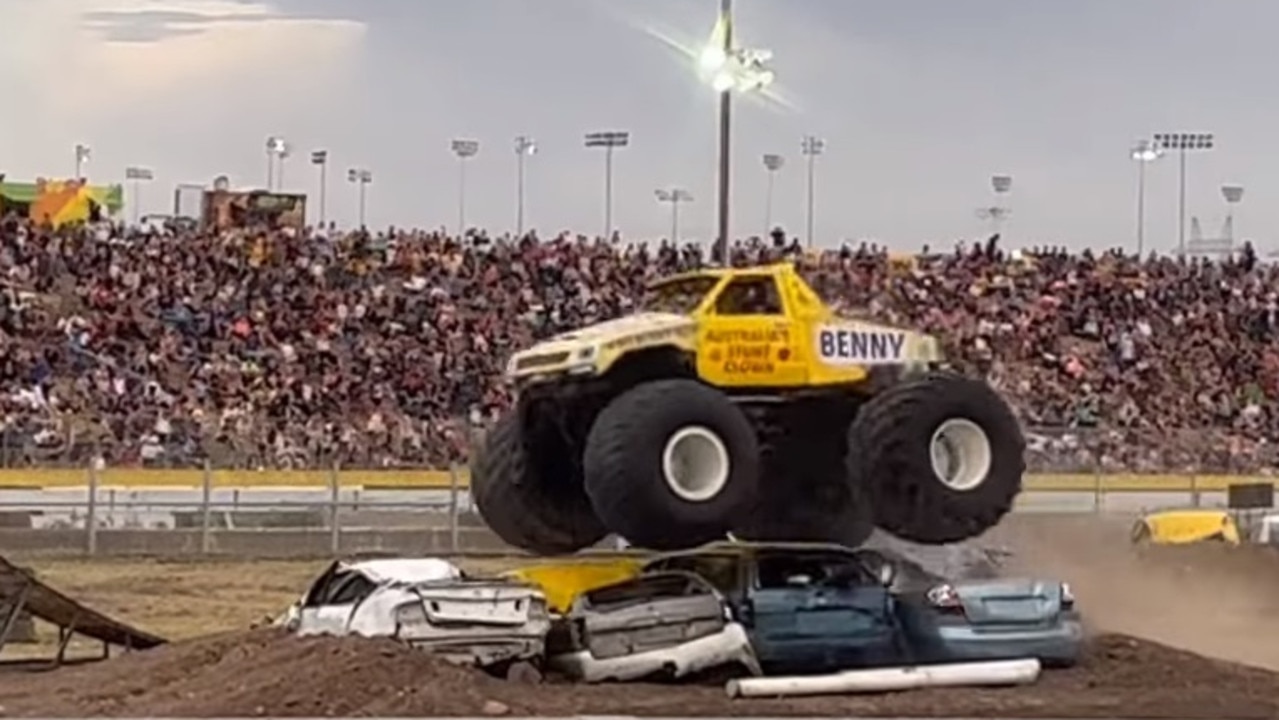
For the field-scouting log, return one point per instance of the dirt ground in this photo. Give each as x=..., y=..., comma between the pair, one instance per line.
x=265, y=672
x=1214, y=601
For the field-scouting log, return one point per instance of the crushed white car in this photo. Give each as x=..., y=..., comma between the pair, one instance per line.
x=428, y=603
x=668, y=625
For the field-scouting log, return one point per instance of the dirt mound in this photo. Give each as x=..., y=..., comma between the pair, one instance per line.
x=266, y=672
x=255, y=673
x=1211, y=599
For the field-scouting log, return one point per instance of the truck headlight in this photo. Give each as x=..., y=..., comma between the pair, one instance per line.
x=537, y=610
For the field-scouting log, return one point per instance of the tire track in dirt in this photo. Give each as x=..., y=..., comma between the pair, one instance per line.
x=1211, y=599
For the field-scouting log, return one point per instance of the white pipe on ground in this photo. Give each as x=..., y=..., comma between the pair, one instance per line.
x=998, y=672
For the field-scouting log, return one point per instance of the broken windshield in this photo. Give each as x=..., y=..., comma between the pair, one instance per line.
x=680, y=296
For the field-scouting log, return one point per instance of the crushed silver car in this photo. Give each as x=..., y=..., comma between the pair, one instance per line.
x=667, y=625
x=430, y=604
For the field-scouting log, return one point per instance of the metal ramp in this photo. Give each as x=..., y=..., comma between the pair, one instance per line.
x=22, y=591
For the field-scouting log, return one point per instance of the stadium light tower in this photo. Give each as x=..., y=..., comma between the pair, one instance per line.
x=1144, y=152
x=464, y=150
x=730, y=69
x=999, y=211
x=1232, y=194
x=524, y=147
x=361, y=178
x=1183, y=143
x=277, y=149
x=812, y=146
x=609, y=140
x=772, y=163
x=82, y=154
x=674, y=196
x=136, y=176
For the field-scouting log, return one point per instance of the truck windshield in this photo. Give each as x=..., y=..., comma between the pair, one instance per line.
x=680, y=296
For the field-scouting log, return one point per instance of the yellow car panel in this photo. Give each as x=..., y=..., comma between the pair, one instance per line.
x=1179, y=527
x=563, y=582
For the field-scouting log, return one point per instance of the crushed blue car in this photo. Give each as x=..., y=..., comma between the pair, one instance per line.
x=805, y=607
x=811, y=608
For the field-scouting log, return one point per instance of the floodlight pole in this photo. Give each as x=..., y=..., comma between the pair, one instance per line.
x=81, y=157
x=812, y=146
x=464, y=150
x=524, y=146
x=608, y=140
x=360, y=177
x=1183, y=142
x=674, y=196
x=772, y=163
x=725, y=138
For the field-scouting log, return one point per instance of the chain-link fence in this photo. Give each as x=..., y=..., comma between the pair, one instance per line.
x=175, y=500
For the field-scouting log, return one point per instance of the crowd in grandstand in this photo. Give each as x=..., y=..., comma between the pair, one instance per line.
x=269, y=349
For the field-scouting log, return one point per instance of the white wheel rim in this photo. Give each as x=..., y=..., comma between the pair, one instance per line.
x=960, y=453
x=695, y=464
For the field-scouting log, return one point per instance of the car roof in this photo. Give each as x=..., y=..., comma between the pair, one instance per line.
x=408, y=571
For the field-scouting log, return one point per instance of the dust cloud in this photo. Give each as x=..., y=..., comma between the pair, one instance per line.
x=1211, y=599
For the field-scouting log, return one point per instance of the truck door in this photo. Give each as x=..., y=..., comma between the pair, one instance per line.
x=747, y=339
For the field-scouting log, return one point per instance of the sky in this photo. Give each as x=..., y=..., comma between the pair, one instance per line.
x=919, y=102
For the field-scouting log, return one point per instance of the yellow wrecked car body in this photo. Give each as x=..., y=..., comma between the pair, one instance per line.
x=1179, y=527
x=563, y=582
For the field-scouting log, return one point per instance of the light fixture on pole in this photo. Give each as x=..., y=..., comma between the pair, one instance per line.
x=1233, y=195
x=524, y=147
x=464, y=150
x=609, y=140
x=320, y=158
x=812, y=146
x=82, y=154
x=997, y=213
x=1144, y=152
x=136, y=176
x=772, y=163
x=674, y=196
x=1183, y=143
x=277, y=148
x=730, y=69
x=361, y=178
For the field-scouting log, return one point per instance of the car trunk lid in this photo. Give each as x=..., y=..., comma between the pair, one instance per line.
x=648, y=613
x=476, y=603
x=1013, y=602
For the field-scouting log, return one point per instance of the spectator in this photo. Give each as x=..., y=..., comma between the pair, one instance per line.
x=266, y=349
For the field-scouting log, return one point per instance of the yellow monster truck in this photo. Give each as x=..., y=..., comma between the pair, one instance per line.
x=736, y=401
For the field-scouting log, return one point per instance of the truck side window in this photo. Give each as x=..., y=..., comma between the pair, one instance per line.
x=749, y=296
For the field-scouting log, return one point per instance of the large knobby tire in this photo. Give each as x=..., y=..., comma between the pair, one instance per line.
x=942, y=457
x=671, y=464
x=545, y=516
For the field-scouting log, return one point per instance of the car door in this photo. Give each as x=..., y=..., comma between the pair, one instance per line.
x=819, y=611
